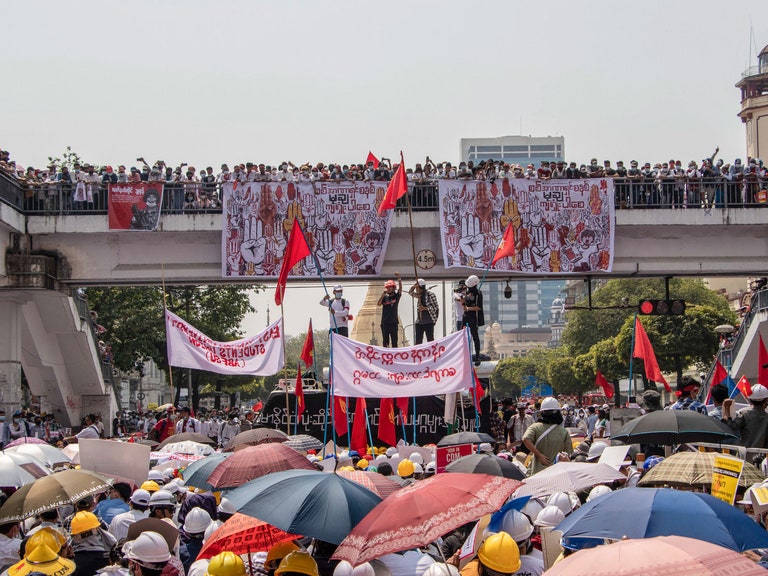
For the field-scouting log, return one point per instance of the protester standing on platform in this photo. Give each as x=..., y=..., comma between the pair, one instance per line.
x=338, y=308
x=389, y=302
x=427, y=312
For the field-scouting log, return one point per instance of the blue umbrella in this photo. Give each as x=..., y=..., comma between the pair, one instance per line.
x=196, y=474
x=649, y=512
x=306, y=502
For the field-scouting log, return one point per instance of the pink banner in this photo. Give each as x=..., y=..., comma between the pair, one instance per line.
x=439, y=367
x=260, y=355
x=135, y=206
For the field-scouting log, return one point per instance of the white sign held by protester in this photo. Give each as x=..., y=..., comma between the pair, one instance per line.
x=124, y=461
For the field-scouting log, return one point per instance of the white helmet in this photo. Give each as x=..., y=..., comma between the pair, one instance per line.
x=596, y=450
x=148, y=548
x=598, y=491
x=344, y=568
x=550, y=403
x=215, y=525
x=162, y=498
x=156, y=475
x=416, y=458
x=418, y=468
x=550, y=517
x=226, y=507
x=338, y=288
x=472, y=281
x=759, y=392
x=391, y=451
x=562, y=501
x=532, y=508
x=441, y=569
x=517, y=525
x=196, y=521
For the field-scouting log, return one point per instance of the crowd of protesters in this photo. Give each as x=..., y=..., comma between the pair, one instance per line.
x=672, y=184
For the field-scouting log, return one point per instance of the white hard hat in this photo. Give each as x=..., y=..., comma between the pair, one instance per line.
x=517, y=525
x=344, y=568
x=149, y=547
x=162, y=498
x=338, y=288
x=226, y=507
x=215, y=525
x=418, y=468
x=485, y=448
x=759, y=392
x=598, y=491
x=140, y=497
x=596, y=450
x=472, y=281
x=550, y=517
x=431, y=467
x=391, y=451
x=441, y=569
x=416, y=458
x=532, y=508
x=197, y=521
x=562, y=501
x=422, y=282
x=172, y=487
x=156, y=475
x=550, y=403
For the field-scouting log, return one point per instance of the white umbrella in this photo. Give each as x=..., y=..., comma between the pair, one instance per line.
x=187, y=447
x=29, y=463
x=43, y=452
x=568, y=477
x=11, y=474
x=72, y=451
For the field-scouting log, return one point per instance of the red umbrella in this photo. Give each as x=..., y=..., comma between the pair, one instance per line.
x=242, y=534
x=420, y=513
x=255, y=461
x=376, y=483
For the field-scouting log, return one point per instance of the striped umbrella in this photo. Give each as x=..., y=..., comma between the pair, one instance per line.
x=694, y=469
x=303, y=442
x=255, y=461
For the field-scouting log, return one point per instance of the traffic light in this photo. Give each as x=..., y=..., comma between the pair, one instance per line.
x=661, y=307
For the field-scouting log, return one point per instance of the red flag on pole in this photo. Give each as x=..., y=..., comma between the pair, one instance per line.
x=387, y=421
x=477, y=392
x=308, y=350
x=604, y=384
x=396, y=189
x=506, y=246
x=299, y=391
x=762, y=364
x=295, y=252
x=402, y=403
x=372, y=158
x=644, y=351
x=340, y=415
x=359, y=440
x=258, y=406
x=744, y=386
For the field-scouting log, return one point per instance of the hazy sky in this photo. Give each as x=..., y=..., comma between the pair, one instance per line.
x=272, y=80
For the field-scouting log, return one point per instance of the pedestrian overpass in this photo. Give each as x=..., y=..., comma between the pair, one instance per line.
x=48, y=255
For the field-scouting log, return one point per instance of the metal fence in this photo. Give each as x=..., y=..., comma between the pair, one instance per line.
x=197, y=198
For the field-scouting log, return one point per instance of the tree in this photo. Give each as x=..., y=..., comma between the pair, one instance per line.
x=513, y=374
x=69, y=158
x=135, y=322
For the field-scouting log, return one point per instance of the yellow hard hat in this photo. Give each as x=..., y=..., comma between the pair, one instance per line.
x=42, y=559
x=405, y=468
x=362, y=463
x=150, y=486
x=299, y=562
x=51, y=537
x=500, y=553
x=84, y=521
x=226, y=564
x=280, y=551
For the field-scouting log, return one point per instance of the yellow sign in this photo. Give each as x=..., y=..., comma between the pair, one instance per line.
x=760, y=499
x=725, y=477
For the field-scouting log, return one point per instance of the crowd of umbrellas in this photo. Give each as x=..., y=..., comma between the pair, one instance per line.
x=283, y=487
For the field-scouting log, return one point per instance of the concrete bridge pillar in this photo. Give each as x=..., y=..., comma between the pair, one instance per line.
x=10, y=354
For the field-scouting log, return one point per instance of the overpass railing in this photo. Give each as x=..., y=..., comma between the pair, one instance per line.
x=195, y=198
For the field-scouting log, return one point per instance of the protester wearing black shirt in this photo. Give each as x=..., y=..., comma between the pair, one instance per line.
x=389, y=302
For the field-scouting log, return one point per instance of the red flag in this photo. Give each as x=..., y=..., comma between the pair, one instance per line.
x=762, y=364
x=258, y=406
x=644, y=351
x=477, y=392
x=604, y=384
x=386, y=431
x=744, y=386
x=506, y=246
x=359, y=439
x=295, y=252
x=396, y=189
x=372, y=158
x=340, y=415
x=308, y=350
x=299, y=392
x=402, y=403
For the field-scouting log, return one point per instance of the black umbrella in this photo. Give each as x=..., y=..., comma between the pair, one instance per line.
x=465, y=438
x=486, y=464
x=668, y=427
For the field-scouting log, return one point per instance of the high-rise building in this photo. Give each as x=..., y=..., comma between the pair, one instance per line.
x=514, y=149
x=529, y=304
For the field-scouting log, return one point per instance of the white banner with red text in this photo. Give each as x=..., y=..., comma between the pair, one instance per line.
x=439, y=367
x=339, y=219
x=260, y=355
x=560, y=226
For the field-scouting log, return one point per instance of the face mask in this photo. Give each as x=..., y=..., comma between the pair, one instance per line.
x=2, y=418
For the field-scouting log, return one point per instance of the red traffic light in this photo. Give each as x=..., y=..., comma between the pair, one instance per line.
x=647, y=307
x=661, y=307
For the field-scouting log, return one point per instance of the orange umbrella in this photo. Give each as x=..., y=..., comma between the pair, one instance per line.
x=242, y=534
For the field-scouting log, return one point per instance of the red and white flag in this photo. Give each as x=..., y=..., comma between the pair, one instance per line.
x=260, y=355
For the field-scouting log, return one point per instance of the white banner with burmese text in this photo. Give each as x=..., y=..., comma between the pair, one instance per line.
x=260, y=355
x=364, y=371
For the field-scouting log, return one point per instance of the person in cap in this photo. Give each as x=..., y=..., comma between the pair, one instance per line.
x=519, y=527
x=751, y=425
x=687, y=390
x=499, y=554
x=162, y=505
x=547, y=439
x=193, y=531
x=148, y=555
x=473, y=312
x=338, y=309
x=92, y=544
x=389, y=301
x=139, y=509
x=427, y=311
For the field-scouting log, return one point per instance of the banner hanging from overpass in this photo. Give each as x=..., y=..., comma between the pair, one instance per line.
x=339, y=218
x=135, y=205
x=560, y=226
